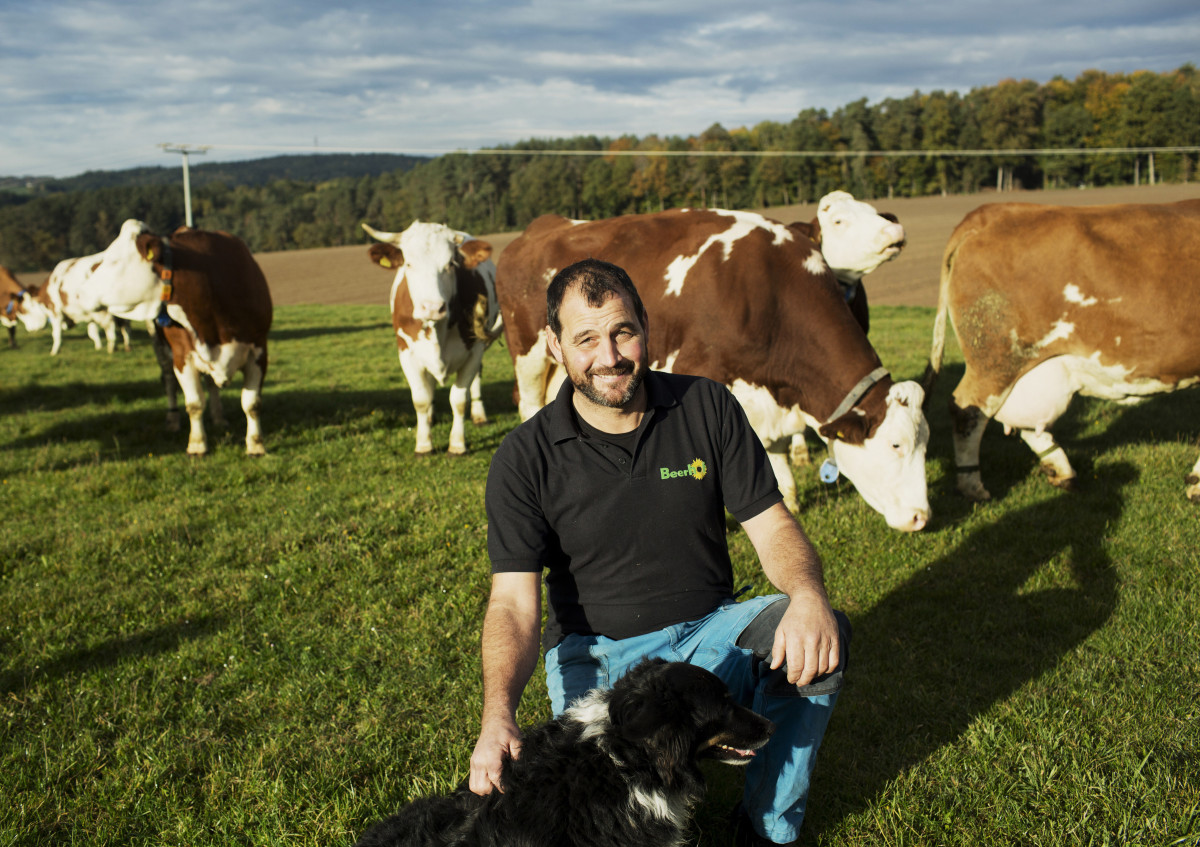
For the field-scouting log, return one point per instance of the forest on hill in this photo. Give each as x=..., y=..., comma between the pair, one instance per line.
x=1012, y=135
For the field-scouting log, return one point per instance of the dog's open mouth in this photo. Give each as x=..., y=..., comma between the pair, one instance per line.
x=729, y=754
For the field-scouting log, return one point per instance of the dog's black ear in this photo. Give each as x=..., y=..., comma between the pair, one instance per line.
x=645, y=710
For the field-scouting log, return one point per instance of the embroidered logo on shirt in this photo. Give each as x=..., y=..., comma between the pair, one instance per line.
x=697, y=470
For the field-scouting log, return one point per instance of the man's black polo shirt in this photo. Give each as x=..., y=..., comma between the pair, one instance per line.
x=633, y=540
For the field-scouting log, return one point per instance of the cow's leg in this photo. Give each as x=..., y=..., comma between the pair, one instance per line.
x=56, y=331
x=12, y=337
x=193, y=400
x=252, y=379
x=420, y=385
x=1037, y=400
x=530, y=372
x=166, y=369
x=216, y=411
x=968, y=425
x=783, y=477
x=122, y=326
x=93, y=331
x=478, y=413
x=1193, y=480
x=458, y=406
x=468, y=378
x=798, y=451
x=1053, y=459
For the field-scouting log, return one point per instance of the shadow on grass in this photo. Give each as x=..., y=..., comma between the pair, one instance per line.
x=323, y=331
x=132, y=432
x=150, y=643
x=54, y=398
x=964, y=634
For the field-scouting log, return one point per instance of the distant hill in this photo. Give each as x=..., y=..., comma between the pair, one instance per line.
x=315, y=167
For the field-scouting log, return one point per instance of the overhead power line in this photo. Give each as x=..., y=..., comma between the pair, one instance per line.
x=811, y=154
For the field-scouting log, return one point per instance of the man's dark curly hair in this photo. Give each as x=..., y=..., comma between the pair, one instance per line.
x=597, y=281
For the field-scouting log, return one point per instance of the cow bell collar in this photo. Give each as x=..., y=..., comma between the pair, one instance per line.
x=857, y=393
x=165, y=266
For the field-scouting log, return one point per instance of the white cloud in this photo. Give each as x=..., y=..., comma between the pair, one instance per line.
x=98, y=84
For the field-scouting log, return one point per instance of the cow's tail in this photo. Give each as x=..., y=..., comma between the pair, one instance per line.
x=938, y=348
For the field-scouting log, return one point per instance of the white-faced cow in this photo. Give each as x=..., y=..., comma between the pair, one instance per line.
x=1050, y=301
x=18, y=305
x=211, y=299
x=855, y=239
x=60, y=302
x=445, y=315
x=752, y=304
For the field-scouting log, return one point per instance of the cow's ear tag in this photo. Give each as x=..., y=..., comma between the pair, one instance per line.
x=150, y=255
x=386, y=262
x=829, y=471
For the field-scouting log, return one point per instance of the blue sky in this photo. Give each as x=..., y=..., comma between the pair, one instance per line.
x=99, y=85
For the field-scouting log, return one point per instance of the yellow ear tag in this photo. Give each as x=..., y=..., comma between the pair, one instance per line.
x=840, y=436
x=150, y=255
x=385, y=262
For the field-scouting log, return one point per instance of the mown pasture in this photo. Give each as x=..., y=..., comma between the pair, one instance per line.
x=282, y=650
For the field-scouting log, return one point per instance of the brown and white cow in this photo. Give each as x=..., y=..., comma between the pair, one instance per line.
x=445, y=315
x=18, y=305
x=1052, y=301
x=212, y=301
x=752, y=304
x=855, y=240
x=59, y=302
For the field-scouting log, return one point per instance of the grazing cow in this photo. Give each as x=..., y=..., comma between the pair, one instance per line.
x=752, y=304
x=211, y=300
x=59, y=302
x=18, y=304
x=445, y=315
x=1051, y=301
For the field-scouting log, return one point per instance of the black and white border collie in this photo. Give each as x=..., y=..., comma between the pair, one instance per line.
x=619, y=767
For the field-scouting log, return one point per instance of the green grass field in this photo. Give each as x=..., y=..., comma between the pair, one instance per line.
x=283, y=650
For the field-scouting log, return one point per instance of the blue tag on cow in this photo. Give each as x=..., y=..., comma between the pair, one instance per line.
x=829, y=471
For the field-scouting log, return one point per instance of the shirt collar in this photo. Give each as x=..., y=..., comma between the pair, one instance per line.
x=564, y=426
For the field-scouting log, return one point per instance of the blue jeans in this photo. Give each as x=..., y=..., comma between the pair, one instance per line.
x=777, y=780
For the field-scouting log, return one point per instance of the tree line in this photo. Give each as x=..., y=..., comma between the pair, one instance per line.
x=590, y=177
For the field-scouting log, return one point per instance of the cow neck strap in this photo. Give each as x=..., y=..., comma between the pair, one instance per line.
x=857, y=393
x=166, y=272
x=166, y=269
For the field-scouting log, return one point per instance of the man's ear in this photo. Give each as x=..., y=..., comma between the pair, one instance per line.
x=553, y=345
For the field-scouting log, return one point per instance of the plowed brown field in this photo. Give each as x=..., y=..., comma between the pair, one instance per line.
x=339, y=275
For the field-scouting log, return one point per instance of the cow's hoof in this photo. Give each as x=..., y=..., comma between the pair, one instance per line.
x=256, y=449
x=479, y=421
x=457, y=451
x=1193, y=491
x=197, y=449
x=975, y=493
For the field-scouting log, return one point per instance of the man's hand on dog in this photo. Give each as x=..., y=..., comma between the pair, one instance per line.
x=499, y=741
x=807, y=638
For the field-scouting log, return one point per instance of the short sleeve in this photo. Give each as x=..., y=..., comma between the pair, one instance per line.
x=519, y=536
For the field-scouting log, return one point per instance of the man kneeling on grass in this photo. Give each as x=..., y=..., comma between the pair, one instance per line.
x=618, y=491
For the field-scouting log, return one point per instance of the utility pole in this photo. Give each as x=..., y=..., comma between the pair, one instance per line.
x=185, y=149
